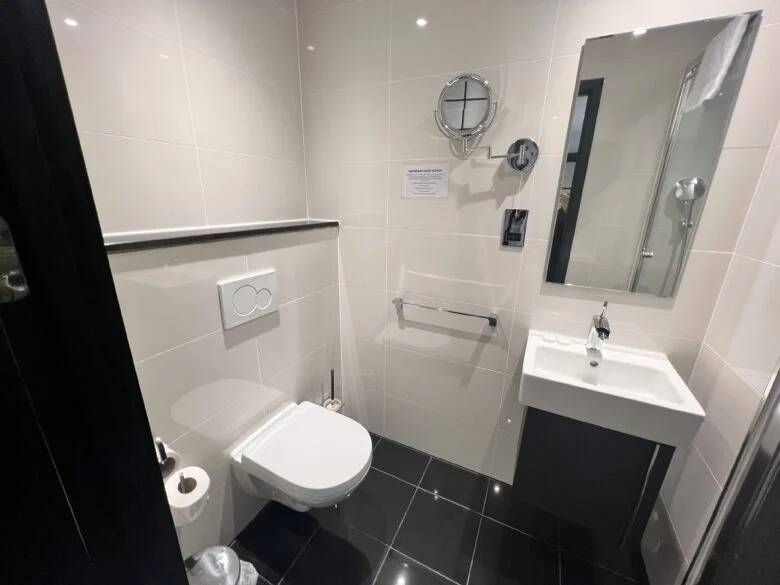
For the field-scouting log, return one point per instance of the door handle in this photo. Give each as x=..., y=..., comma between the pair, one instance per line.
x=13, y=285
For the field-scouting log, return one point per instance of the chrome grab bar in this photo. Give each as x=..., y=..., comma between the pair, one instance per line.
x=399, y=303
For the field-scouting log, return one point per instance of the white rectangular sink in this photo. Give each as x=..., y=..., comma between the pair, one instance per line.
x=631, y=391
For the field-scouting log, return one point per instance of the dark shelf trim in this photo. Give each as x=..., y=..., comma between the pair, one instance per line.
x=134, y=242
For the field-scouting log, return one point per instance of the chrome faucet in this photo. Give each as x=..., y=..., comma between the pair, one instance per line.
x=599, y=331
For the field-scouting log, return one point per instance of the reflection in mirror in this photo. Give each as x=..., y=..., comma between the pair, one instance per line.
x=647, y=125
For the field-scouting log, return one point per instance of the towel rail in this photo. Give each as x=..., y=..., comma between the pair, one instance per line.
x=492, y=319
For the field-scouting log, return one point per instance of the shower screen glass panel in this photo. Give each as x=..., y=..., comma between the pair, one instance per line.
x=648, y=120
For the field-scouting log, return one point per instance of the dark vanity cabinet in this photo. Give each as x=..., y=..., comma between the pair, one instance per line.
x=594, y=477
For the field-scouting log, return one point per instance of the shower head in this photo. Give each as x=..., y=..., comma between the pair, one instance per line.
x=689, y=189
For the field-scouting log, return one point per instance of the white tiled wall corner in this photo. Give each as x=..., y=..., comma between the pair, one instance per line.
x=188, y=112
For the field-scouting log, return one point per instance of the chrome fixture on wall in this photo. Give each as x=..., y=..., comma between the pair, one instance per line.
x=467, y=108
x=399, y=303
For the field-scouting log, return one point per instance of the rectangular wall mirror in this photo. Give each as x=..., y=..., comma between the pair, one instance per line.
x=647, y=125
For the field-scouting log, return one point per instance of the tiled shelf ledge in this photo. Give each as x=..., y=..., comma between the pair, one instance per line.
x=145, y=240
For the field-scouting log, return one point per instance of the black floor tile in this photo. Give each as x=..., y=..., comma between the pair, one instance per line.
x=337, y=555
x=273, y=539
x=501, y=506
x=509, y=557
x=575, y=571
x=399, y=568
x=376, y=507
x=439, y=534
x=456, y=484
x=374, y=439
x=400, y=461
x=603, y=551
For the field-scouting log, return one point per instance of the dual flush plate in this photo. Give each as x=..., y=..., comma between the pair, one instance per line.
x=248, y=297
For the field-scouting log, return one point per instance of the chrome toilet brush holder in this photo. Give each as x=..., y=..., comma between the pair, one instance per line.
x=333, y=404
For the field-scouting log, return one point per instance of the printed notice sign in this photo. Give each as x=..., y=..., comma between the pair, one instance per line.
x=427, y=181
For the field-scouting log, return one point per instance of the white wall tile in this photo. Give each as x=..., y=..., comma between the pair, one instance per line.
x=243, y=189
x=169, y=296
x=368, y=408
x=761, y=237
x=469, y=269
x=693, y=502
x=458, y=338
x=457, y=389
x=728, y=199
x=236, y=112
x=505, y=456
x=142, y=185
x=102, y=59
x=439, y=434
x=354, y=193
x=350, y=46
x=255, y=37
x=297, y=329
x=362, y=314
x=478, y=195
x=730, y=404
x=758, y=106
x=308, y=379
x=362, y=257
x=305, y=262
x=744, y=326
x=155, y=16
x=462, y=35
x=363, y=364
x=185, y=386
x=348, y=125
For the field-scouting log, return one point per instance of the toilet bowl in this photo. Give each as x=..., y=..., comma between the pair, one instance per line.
x=303, y=457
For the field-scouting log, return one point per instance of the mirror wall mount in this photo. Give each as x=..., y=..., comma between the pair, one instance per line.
x=466, y=110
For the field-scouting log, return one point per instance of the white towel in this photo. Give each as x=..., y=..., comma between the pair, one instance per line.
x=715, y=63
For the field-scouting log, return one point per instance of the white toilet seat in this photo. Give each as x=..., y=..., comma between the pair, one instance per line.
x=311, y=454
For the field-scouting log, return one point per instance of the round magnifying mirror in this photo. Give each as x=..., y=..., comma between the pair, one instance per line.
x=466, y=107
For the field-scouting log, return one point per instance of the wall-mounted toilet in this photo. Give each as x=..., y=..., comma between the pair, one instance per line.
x=303, y=457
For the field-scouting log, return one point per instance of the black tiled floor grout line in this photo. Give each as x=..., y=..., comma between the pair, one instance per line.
x=298, y=556
x=401, y=523
x=450, y=579
x=476, y=540
x=483, y=515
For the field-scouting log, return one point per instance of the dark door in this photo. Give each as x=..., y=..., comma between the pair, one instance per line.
x=83, y=496
x=48, y=546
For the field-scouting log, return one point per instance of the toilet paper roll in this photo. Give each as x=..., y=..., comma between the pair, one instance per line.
x=187, y=490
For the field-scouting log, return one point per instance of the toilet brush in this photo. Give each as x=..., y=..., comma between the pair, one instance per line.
x=333, y=403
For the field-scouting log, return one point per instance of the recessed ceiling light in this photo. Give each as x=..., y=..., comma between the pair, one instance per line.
x=638, y=32
x=421, y=23
x=310, y=48
x=71, y=22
